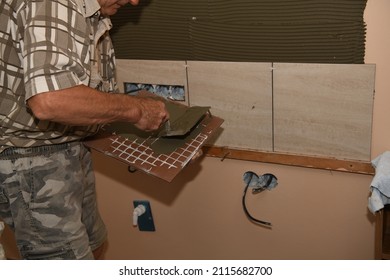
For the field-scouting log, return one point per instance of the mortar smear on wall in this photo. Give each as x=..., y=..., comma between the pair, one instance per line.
x=172, y=92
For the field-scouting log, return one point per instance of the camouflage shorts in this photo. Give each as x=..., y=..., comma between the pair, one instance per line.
x=47, y=196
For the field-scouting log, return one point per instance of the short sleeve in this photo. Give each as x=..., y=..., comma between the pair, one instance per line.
x=55, y=47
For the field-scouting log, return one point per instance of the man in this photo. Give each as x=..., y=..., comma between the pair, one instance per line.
x=57, y=86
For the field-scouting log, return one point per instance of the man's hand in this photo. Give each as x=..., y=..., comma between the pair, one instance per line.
x=152, y=114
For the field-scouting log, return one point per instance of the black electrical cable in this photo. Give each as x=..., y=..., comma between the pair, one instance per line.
x=246, y=210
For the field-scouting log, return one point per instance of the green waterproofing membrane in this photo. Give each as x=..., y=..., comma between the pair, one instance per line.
x=302, y=31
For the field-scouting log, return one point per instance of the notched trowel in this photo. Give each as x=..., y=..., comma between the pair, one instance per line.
x=182, y=119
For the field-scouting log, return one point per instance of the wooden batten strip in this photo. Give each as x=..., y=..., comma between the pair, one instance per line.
x=332, y=164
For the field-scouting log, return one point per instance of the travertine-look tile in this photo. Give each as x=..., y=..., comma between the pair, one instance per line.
x=241, y=94
x=152, y=72
x=323, y=109
x=319, y=109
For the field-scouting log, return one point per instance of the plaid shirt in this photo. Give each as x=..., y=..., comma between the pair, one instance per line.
x=47, y=45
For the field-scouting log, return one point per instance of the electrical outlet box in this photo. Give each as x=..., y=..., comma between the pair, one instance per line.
x=145, y=221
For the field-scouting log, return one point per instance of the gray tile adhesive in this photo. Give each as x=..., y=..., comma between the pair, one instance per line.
x=305, y=31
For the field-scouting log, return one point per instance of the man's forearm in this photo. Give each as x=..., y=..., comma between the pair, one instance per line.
x=82, y=105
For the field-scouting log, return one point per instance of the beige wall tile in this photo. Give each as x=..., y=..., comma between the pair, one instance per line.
x=152, y=72
x=319, y=109
x=241, y=94
x=324, y=110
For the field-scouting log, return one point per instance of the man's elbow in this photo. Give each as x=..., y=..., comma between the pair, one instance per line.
x=42, y=107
